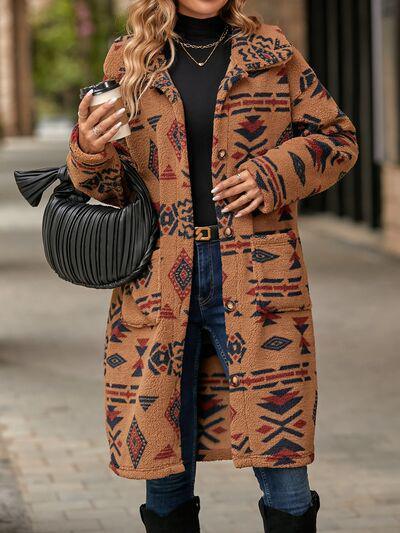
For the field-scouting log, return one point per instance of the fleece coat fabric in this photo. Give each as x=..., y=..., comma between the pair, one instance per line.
x=274, y=118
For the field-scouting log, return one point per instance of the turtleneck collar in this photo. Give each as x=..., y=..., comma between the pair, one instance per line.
x=192, y=28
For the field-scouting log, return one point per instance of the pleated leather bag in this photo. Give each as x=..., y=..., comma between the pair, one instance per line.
x=97, y=246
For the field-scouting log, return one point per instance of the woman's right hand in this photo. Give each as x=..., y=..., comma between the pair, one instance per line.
x=96, y=129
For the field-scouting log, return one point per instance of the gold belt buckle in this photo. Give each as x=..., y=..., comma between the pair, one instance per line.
x=199, y=233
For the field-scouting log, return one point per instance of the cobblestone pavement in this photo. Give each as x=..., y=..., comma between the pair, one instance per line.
x=53, y=451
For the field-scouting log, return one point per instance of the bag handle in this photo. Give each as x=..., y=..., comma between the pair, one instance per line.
x=33, y=183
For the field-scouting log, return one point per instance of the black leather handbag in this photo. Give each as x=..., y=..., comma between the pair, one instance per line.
x=97, y=246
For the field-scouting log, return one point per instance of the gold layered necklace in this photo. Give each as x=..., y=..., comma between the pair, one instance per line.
x=213, y=47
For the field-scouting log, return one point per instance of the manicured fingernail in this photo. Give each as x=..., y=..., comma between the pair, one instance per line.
x=214, y=190
x=113, y=100
x=238, y=215
x=224, y=210
x=118, y=125
x=120, y=111
x=90, y=91
x=217, y=197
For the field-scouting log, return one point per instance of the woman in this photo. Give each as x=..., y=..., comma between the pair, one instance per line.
x=230, y=127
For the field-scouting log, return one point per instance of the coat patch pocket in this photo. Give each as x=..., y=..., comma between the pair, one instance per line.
x=141, y=301
x=279, y=273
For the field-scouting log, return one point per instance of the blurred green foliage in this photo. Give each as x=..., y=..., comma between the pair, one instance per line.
x=70, y=40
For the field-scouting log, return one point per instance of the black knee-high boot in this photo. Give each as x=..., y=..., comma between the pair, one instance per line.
x=276, y=521
x=183, y=519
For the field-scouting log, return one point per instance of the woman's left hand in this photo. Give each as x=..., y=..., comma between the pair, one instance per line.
x=245, y=188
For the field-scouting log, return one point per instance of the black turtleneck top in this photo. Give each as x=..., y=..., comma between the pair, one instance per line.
x=198, y=87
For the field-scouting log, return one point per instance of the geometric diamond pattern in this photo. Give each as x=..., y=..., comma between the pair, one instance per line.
x=136, y=443
x=176, y=135
x=276, y=343
x=181, y=274
x=173, y=410
x=115, y=360
x=261, y=256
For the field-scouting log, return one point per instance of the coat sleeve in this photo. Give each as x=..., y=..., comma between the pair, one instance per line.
x=321, y=149
x=100, y=175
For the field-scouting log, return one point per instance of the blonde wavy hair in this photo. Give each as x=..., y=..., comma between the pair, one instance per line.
x=150, y=25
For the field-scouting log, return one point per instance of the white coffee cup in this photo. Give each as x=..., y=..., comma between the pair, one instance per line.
x=102, y=93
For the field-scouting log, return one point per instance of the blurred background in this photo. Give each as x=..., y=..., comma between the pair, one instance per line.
x=53, y=450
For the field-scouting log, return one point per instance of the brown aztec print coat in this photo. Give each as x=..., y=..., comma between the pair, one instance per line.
x=274, y=118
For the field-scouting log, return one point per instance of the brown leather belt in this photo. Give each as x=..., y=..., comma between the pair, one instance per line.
x=206, y=233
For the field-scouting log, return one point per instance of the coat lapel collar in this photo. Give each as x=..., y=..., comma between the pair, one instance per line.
x=250, y=54
x=162, y=80
x=258, y=51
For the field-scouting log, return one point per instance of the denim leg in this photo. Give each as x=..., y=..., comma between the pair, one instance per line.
x=286, y=489
x=166, y=494
x=213, y=310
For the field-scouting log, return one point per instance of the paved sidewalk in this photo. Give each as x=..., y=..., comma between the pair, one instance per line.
x=53, y=450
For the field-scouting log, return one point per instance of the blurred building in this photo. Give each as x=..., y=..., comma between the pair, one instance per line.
x=15, y=69
x=353, y=46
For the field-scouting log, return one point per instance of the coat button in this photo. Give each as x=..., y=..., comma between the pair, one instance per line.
x=230, y=305
x=221, y=154
x=235, y=381
x=228, y=231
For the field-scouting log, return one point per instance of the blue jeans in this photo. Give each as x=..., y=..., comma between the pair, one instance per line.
x=286, y=489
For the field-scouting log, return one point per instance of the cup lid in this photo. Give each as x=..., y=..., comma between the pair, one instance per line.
x=99, y=88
